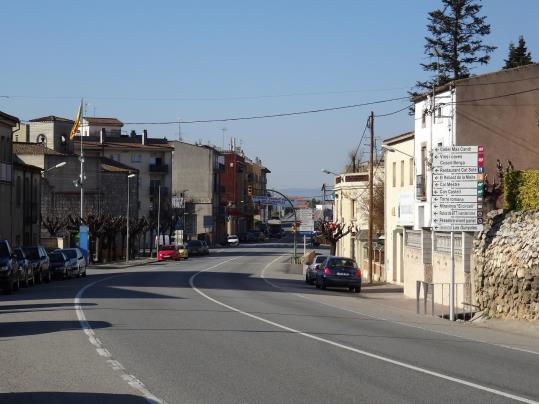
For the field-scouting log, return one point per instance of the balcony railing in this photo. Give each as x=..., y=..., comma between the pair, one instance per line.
x=159, y=168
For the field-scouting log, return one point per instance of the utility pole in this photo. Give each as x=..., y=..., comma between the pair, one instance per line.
x=324, y=201
x=371, y=194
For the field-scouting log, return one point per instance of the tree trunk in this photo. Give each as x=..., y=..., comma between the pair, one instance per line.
x=333, y=247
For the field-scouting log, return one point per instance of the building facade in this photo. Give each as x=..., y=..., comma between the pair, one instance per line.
x=399, y=199
x=7, y=125
x=26, y=203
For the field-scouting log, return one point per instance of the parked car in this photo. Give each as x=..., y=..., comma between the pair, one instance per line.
x=183, y=252
x=40, y=261
x=168, y=252
x=197, y=247
x=26, y=269
x=340, y=272
x=9, y=272
x=233, y=240
x=60, y=264
x=77, y=262
x=312, y=270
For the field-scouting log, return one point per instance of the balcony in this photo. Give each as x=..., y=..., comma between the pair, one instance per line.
x=159, y=168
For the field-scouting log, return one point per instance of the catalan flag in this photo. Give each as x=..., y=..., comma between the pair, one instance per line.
x=76, y=124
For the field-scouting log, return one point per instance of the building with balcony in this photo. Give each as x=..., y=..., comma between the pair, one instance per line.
x=150, y=157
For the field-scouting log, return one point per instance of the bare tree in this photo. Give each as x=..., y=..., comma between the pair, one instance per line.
x=333, y=232
x=53, y=224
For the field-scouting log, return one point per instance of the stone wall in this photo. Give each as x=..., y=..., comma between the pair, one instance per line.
x=506, y=265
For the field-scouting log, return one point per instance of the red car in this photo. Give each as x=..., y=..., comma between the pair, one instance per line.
x=168, y=252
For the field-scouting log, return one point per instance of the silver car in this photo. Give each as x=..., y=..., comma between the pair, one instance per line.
x=310, y=275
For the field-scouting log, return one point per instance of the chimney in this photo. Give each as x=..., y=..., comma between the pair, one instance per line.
x=133, y=133
x=102, y=135
x=144, y=136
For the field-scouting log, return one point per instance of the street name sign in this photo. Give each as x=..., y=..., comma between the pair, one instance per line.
x=269, y=200
x=457, y=188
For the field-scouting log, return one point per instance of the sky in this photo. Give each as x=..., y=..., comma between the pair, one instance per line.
x=164, y=61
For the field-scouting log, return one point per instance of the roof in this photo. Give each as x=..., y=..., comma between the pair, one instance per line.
x=399, y=138
x=115, y=166
x=33, y=148
x=465, y=82
x=17, y=162
x=124, y=142
x=9, y=118
x=94, y=120
x=51, y=118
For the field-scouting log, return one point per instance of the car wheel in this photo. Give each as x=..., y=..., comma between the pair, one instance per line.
x=307, y=280
x=78, y=272
x=357, y=290
x=39, y=276
x=84, y=273
x=317, y=284
x=322, y=284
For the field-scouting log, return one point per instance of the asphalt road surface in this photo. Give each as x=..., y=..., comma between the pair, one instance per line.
x=233, y=328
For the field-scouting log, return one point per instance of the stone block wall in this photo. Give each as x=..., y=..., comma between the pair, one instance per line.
x=506, y=265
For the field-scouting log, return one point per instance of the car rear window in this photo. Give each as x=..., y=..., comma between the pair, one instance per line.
x=319, y=259
x=342, y=263
x=31, y=253
x=70, y=253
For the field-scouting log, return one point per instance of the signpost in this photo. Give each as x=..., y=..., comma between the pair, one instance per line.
x=457, y=196
x=306, y=218
x=269, y=200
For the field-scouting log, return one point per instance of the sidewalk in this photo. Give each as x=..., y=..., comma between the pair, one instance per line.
x=123, y=264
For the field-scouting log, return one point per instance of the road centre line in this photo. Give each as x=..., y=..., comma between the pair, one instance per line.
x=355, y=350
x=130, y=379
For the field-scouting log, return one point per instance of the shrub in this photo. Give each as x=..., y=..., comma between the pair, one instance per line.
x=521, y=189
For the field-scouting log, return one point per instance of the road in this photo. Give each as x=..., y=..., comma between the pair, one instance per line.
x=234, y=327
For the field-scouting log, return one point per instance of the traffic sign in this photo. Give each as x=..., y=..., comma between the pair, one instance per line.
x=457, y=188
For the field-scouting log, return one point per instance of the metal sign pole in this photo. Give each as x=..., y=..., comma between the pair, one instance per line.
x=452, y=285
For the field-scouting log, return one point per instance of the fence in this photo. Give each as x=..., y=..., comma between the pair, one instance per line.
x=464, y=309
x=442, y=243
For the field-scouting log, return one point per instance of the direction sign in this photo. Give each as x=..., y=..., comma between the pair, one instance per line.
x=457, y=188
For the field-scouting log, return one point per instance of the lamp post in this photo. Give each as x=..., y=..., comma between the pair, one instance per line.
x=127, y=231
x=43, y=172
x=183, y=214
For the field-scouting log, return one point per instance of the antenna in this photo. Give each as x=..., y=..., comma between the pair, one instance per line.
x=179, y=129
x=223, y=130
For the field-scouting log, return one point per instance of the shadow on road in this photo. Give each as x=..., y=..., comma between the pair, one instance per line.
x=28, y=308
x=22, y=328
x=54, y=397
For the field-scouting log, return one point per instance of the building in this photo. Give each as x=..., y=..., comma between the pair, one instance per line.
x=496, y=110
x=351, y=191
x=150, y=157
x=7, y=124
x=234, y=201
x=51, y=131
x=26, y=203
x=94, y=126
x=257, y=182
x=196, y=179
x=399, y=199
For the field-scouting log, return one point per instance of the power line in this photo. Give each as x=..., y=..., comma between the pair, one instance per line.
x=394, y=112
x=312, y=111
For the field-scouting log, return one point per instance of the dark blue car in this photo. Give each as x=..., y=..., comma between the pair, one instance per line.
x=339, y=272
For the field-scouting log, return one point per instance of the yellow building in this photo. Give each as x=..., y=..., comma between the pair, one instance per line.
x=399, y=204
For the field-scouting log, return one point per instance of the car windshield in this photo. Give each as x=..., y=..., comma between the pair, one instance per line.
x=4, y=252
x=70, y=253
x=31, y=253
x=168, y=248
x=345, y=263
x=56, y=257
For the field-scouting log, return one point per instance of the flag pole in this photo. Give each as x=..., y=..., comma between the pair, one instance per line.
x=81, y=161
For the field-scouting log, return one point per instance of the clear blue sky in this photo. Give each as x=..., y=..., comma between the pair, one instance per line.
x=213, y=53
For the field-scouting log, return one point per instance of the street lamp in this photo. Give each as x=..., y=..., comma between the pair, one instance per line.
x=393, y=150
x=127, y=235
x=63, y=163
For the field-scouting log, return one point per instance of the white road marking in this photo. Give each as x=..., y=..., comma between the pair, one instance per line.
x=103, y=352
x=355, y=350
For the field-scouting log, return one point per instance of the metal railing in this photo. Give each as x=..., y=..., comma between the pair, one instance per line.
x=159, y=168
x=464, y=309
x=442, y=243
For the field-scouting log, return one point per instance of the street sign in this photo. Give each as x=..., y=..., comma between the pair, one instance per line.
x=306, y=219
x=177, y=202
x=269, y=200
x=457, y=188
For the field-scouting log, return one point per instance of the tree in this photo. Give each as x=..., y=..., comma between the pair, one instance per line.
x=378, y=205
x=333, y=232
x=518, y=56
x=455, y=39
x=53, y=224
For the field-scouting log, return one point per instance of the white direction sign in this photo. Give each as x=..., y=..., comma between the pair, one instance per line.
x=457, y=188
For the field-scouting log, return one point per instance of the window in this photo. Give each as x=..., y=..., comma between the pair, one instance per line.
x=421, y=186
x=394, y=174
x=411, y=171
x=136, y=158
x=424, y=119
x=402, y=173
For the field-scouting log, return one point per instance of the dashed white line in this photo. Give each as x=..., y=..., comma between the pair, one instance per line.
x=355, y=350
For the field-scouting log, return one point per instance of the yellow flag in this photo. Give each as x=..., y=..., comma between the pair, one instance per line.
x=76, y=124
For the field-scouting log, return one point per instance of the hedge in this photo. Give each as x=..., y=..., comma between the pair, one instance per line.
x=521, y=189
